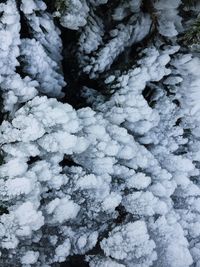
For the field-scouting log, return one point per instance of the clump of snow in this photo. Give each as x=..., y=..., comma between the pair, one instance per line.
x=30, y=257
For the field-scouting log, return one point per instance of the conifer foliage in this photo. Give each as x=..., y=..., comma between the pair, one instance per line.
x=100, y=133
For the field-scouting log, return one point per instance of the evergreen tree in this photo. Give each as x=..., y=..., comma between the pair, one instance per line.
x=100, y=133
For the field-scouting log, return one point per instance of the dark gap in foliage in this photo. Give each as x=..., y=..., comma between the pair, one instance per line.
x=1, y=158
x=147, y=7
x=92, y=83
x=24, y=31
x=75, y=79
x=105, y=11
x=156, y=217
x=3, y=209
x=182, y=150
x=178, y=122
x=185, y=6
x=179, y=202
x=187, y=133
x=50, y=5
x=122, y=214
x=71, y=71
x=19, y=70
x=68, y=161
x=176, y=101
x=147, y=94
x=1, y=113
x=75, y=261
x=195, y=179
x=33, y=160
x=3, y=116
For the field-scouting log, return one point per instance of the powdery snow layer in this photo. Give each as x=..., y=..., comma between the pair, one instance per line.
x=112, y=179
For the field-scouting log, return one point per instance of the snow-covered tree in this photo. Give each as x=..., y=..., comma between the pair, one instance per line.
x=105, y=165
x=22, y=74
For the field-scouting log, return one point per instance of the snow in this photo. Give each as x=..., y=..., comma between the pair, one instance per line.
x=144, y=203
x=131, y=244
x=13, y=168
x=103, y=262
x=74, y=15
x=30, y=257
x=112, y=201
x=117, y=181
x=28, y=7
x=138, y=181
x=63, y=209
x=62, y=251
x=28, y=218
x=169, y=22
x=46, y=73
x=18, y=186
